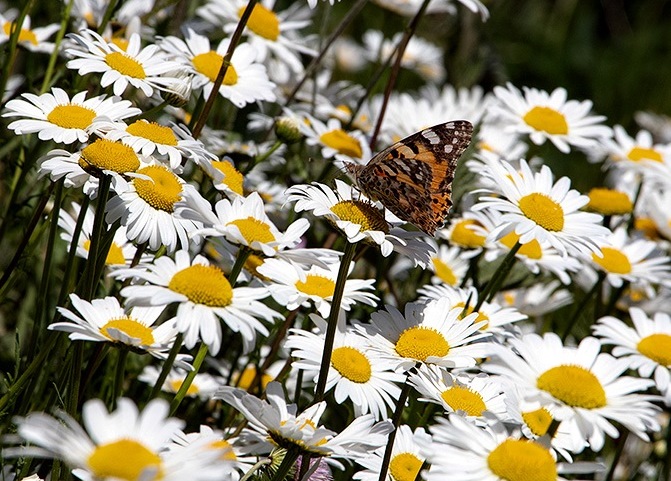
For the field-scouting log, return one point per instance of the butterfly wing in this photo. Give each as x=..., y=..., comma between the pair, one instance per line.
x=413, y=178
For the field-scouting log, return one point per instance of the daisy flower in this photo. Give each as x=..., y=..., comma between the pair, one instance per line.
x=335, y=142
x=462, y=232
x=460, y=450
x=204, y=385
x=355, y=372
x=493, y=140
x=645, y=346
x=225, y=176
x=292, y=287
x=537, y=299
x=246, y=79
x=145, y=205
x=535, y=207
x=280, y=424
x=244, y=222
x=53, y=116
x=358, y=219
x=139, y=438
x=406, y=457
x=449, y=266
x=476, y=397
x=605, y=201
x=121, y=251
x=204, y=296
x=409, y=8
x=429, y=332
x=633, y=152
x=33, y=39
x=586, y=387
x=105, y=320
x=633, y=260
x=274, y=34
x=544, y=116
x=140, y=67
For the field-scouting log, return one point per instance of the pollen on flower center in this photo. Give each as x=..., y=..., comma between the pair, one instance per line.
x=531, y=249
x=613, y=261
x=538, y=421
x=105, y=154
x=547, y=120
x=104, y=460
x=114, y=257
x=522, y=460
x=421, y=342
x=574, y=386
x=351, y=364
x=463, y=399
x=209, y=64
x=657, y=347
x=637, y=154
x=341, y=141
x=205, y=285
x=316, y=285
x=227, y=450
x=125, y=65
x=609, y=202
x=444, y=272
x=254, y=230
x=159, y=134
x=233, y=178
x=71, y=116
x=362, y=213
x=162, y=192
x=263, y=22
x=462, y=235
x=543, y=211
x=405, y=467
x=130, y=327
x=24, y=36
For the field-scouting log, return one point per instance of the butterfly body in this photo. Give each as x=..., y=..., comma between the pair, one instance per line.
x=413, y=178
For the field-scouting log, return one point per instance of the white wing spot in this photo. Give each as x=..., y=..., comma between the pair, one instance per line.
x=431, y=136
x=448, y=148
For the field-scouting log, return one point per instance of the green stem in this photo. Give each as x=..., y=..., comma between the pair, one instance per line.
x=119, y=376
x=72, y=254
x=57, y=46
x=12, y=45
x=197, y=363
x=89, y=286
x=498, y=277
x=167, y=366
x=619, y=448
x=287, y=463
x=243, y=255
x=347, y=257
x=396, y=420
x=583, y=303
x=74, y=383
x=262, y=157
x=255, y=468
x=107, y=15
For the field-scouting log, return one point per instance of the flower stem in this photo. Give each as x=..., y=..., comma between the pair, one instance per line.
x=396, y=420
x=197, y=363
x=347, y=257
x=255, y=468
x=119, y=376
x=65, y=19
x=583, y=302
x=498, y=277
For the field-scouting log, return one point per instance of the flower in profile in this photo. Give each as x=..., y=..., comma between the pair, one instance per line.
x=646, y=346
x=33, y=39
x=54, y=116
x=204, y=296
x=634, y=152
x=277, y=423
x=292, y=287
x=585, y=388
x=141, y=439
x=335, y=142
x=463, y=232
x=139, y=67
x=246, y=79
x=449, y=266
x=537, y=299
x=606, y=201
x=355, y=373
x=535, y=207
x=549, y=116
x=203, y=386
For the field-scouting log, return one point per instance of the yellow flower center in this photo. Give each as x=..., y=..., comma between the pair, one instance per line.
x=362, y=213
x=421, y=342
x=341, y=141
x=444, y=272
x=209, y=64
x=71, y=116
x=105, y=461
x=263, y=22
x=463, y=399
x=252, y=263
x=574, y=386
x=543, y=211
x=132, y=328
x=613, y=261
x=657, y=347
x=637, y=154
x=351, y=364
x=205, y=285
x=114, y=255
x=481, y=315
x=159, y=134
x=648, y=227
x=120, y=42
x=316, y=285
x=254, y=230
x=233, y=178
x=405, y=467
x=227, y=450
x=609, y=202
x=547, y=120
x=531, y=249
x=244, y=380
x=104, y=154
x=176, y=384
x=162, y=192
x=538, y=421
x=521, y=460
x=24, y=36
x=125, y=65
x=466, y=237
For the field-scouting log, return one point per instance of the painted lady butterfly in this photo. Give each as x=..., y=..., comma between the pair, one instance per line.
x=413, y=177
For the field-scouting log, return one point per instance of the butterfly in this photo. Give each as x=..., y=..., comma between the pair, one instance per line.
x=413, y=178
